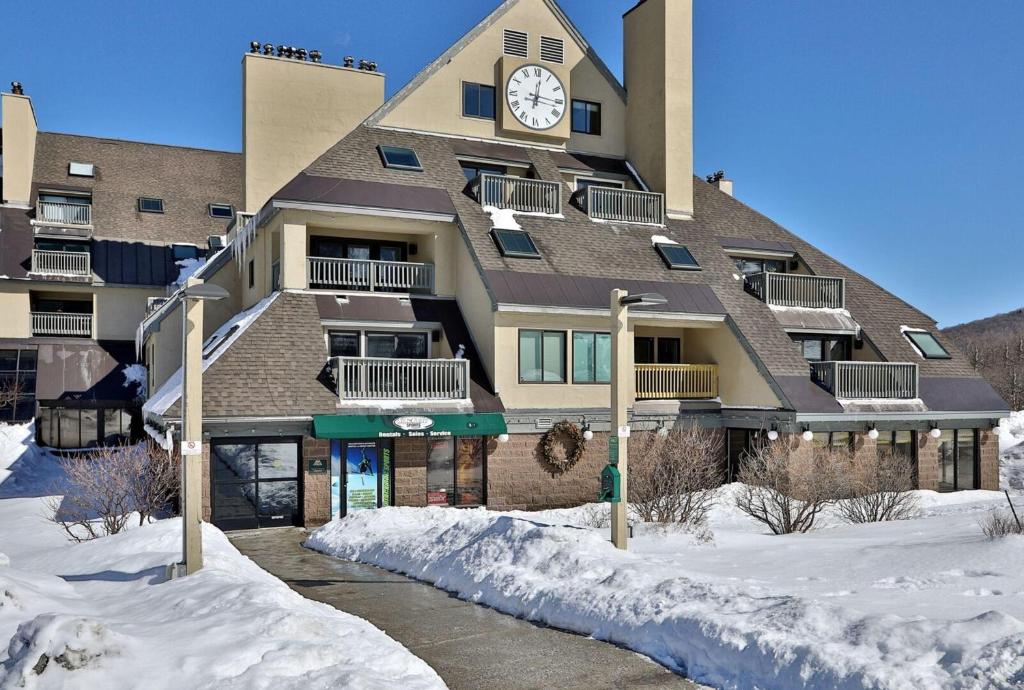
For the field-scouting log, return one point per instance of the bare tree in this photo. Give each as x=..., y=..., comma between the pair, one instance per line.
x=787, y=490
x=104, y=489
x=673, y=476
x=879, y=487
x=11, y=391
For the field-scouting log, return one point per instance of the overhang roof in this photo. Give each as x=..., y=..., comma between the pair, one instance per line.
x=332, y=191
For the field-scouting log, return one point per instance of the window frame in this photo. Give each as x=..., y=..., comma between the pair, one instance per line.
x=494, y=101
x=455, y=471
x=660, y=248
x=230, y=208
x=909, y=334
x=519, y=360
x=140, y=201
x=975, y=461
x=590, y=127
x=593, y=339
x=19, y=373
x=496, y=234
x=736, y=259
x=382, y=151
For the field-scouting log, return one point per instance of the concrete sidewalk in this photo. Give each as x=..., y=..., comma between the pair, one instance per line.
x=470, y=646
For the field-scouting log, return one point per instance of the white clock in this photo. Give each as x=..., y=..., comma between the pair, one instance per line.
x=536, y=97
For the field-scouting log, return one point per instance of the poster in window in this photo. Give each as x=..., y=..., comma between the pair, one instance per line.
x=361, y=475
x=336, y=478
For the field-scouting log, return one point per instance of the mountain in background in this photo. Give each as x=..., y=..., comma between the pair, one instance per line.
x=995, y=347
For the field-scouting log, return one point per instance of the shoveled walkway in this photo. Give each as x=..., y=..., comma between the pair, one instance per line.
x=470, y=646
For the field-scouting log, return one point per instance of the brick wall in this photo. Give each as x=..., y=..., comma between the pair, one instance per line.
x=410, y=462
x=207, y=501
x=927, y=462
x=988, y=449
x=316, y=488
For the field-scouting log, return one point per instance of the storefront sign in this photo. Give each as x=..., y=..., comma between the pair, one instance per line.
x=317, y=465
x=437, y=498
x=413, y=423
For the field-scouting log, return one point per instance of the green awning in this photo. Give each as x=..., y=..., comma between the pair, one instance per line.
x=397, y=426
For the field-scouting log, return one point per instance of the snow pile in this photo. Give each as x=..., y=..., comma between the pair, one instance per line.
x=187, y=268
x=871, y=606
x=1011, y=457
x=25, y=468
x=502, y=218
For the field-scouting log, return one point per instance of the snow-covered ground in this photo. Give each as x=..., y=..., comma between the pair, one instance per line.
x=923, y=603
x=1011, y=446
x=101, y=615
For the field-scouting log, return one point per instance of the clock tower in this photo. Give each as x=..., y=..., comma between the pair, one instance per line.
x=534, y=99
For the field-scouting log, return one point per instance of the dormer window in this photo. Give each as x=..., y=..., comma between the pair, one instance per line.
x=81, y=169
x=399, y=157
x=149, y=204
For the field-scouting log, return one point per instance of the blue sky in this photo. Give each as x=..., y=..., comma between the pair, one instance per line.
x=888, y=133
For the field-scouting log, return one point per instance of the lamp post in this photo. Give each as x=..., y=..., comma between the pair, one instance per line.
x=193, y=296
x=622, y=371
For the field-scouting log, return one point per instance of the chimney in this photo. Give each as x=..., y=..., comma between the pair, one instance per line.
x=293, y=110
x=658, y=71
x=719, y=180
x=18, y=121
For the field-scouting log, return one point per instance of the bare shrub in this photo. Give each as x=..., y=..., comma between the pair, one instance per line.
x=878, y=487
x=104, y=489
x=786, y=490
x=11, y=391
x=1000, y=523
x=673, y=477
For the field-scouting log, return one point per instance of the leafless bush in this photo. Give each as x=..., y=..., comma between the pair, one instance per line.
x=11, y=391
x=595, y=516
x=673, y=477
x=1000, y=523
x=879, y=487
x=786, y=490
x=105, y=488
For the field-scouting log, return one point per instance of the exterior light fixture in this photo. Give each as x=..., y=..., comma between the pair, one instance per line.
x=17, y=89
x=349, y=61
x=268, y=48
x=254, y=47
x=873, y=433
x=996, y=429
x=773, y=435
x=808, y=435
x=314, y=55
x=587, y=433
x=502, y=438
x=935, y=432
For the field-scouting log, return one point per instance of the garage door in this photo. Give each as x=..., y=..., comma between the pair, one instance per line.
x=255, y=483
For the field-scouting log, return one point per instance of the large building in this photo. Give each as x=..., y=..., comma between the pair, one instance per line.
x=420, y=286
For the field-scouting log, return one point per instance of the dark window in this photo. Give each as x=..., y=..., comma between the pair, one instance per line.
x=648, y=350
x=643, y=350
x=958, y=460
x=743, y=443
x=516, y=244
x=83, y=427
x=541, y=356
x=149, y=204
x=455, y=471
x=824, y=348
x=899, y=442
x=478, y=100
x=669, y=351
x=397, y=345
x=927, y=345
x=586, y=117
x=183, y=252
x=584, y=182
x=343, y=344
x=60, y=245
x=399, y=157
x=221, y=211
x=474, y=170
x=17, y=385
x=255, y=483
x=591, y=357
x=252, y=273
x=677, y=256
x=749, y=266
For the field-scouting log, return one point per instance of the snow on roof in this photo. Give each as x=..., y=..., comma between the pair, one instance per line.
x=229, y=332
x=661, y=239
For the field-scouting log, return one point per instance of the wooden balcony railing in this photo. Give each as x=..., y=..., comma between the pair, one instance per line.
x=49, y=262
x=798, y=290
x=364, y=274
x=61, y=324
x=370, y=378
x=63, y=213
x=676, y=381
x=622, y=205
x=867, y=380
x=518, y=193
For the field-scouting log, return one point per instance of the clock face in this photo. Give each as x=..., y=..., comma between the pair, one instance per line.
x=536, y=97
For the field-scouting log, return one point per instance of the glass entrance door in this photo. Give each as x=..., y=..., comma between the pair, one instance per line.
x=255, y=483
x=367, y=479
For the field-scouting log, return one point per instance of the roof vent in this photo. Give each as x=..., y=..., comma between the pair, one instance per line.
x=718, y=179
x=552, y=50
x=516, y=43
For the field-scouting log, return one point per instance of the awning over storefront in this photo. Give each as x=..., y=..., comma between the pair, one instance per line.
x=397, y=426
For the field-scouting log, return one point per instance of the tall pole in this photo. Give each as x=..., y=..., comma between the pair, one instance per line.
x=192, y=431
x=622, y=370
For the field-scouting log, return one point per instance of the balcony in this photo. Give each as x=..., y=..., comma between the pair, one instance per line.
x=369, y=275
x=867, y=380
x=797, y=290
x=63, y=213
x=61, y=324
x=372, y=379
x=676, y=381
x=622, y=205
x=518, y=193
x=62, y=263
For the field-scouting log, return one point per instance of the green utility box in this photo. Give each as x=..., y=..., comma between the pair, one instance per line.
x=611, y=485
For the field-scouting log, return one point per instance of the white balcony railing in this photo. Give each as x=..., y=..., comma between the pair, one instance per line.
x=798, y=290
x=370, y=378
x=48, y=262
x=64, y=213
x=61, y=324
x=518, y=193
x=865, y=380
x=364, y=274
x=622, y=205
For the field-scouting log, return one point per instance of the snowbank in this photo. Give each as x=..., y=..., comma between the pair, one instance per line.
x=1011, y=458
x=873, y=606
x=25, y=468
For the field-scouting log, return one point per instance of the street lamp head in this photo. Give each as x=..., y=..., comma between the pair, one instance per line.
x=644, y=299
x=205, y=291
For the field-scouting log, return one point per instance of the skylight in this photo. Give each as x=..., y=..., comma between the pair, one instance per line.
x=927, y=345
x=515, y=244
x=399, y=157
x=676, y=256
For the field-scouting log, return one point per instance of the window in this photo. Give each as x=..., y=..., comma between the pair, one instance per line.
x=648, y=350
x=824, y=348
x=515, y=244
x=584, y=182
x=541, y=356
x=552, y=49
x=958, y=460
x=474, y=170
x=743, y=443
x=455, y=471
x=149, y=204
x=83, y=427
x=81, y=169
x=927, y=345
x=399, y=157
x=60, y=245
x=515, y=43
x=343, y=344
x=901, y=442
x=221, y=211
x=183, y=252
x=586, y=117
x=591, y=357
x=643, y=350
x=749, y=266
x=676, y=256
x=17, y=385
x=669, y=351
x=398, y=345
x=478, y=100
x=252, y=273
